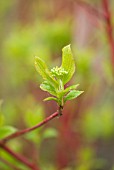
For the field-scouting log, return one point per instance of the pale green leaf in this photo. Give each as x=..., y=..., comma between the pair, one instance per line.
x=72, y=95
x=34, y=116
x=43, y=70
x=68, y=63
x=46, y=86
x=6, y=130
x=51, y=98
x=50, y=133
x=73, y=87
x=35, y=136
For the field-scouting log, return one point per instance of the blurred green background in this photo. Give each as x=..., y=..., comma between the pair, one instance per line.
x=83, y=138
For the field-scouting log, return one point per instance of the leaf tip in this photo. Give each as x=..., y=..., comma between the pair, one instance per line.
x=45, y=99
x=67, y=47
x=81, y=92
x=35, y=59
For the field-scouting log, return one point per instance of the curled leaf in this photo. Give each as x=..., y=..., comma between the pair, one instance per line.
x=43, y=70
x=68, y=63
x=73, y=87
x=46, y=86
x=72, y=95
x=51, y=98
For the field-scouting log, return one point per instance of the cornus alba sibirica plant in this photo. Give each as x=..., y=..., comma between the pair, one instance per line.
x=56, y=78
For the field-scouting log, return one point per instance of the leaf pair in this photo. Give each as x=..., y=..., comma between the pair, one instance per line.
x=68, y=64
x=71, y=95
x=56, y=78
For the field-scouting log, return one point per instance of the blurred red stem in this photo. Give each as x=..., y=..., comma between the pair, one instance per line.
x=19, y=158
x=107, y=17
x=24, y=131
x=109, y=29
x=91, y=8
x=21, y=132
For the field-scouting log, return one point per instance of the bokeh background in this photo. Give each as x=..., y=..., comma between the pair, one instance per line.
x=83, y=138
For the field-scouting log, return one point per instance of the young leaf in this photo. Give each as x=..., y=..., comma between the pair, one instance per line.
x=51, y=98
x=73, y=87
x=6, y=130
x=68, y=63
x=50, y=133
x=33, y=116
x=72, y=95
x=43, y=70
x=48, y=87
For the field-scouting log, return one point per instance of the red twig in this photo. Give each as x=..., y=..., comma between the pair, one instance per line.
x=109, y=28
x=21, y=132
x=106, y=16
x=91, y=8
x=20, y=158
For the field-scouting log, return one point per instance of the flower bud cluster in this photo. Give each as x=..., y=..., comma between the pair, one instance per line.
x=58, y=71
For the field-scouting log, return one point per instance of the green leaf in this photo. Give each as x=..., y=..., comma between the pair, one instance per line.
x=68, y=63
x=72, y=95
x=35, y=136
x=43, y=70
x=50, y=133
x=34, y=116
x=46, y=86
x=73, y=87
x=51, y=98
x=6, y=130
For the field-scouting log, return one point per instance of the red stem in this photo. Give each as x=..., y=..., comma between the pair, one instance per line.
x=106, y=15
x=109, y=28
x=91, y=8
x=20, y=158
x=21, y=132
